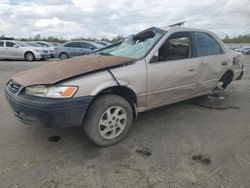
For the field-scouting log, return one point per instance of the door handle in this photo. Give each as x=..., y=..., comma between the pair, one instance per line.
x=224, y=63
x=191, y=70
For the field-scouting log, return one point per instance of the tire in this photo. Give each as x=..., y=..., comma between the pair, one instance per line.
x=29, y=56
x=101, y=129
x=218, y=100
x=63, y=56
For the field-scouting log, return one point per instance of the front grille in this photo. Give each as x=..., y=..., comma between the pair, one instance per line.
x=13, y=86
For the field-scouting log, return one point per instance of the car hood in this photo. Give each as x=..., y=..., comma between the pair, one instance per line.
x=61, y=70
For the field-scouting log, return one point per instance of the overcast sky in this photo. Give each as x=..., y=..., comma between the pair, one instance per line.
x=108, y=18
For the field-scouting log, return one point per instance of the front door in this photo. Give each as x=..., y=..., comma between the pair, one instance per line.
x=173, y=76
x=86, y=48
x=12, y=50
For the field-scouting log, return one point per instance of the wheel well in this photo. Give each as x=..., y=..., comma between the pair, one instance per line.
x=227, y=78
x=123, y=92
x=28, y=52
x=63, y=53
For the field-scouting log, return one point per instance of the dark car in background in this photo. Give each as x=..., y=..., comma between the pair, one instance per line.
x=244, y=50
x=76, y=48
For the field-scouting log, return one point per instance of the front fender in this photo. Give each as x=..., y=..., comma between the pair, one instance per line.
x=110, y=83
x=103, y=86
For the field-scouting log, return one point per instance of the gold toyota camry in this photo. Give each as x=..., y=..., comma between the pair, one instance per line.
x=103, y=92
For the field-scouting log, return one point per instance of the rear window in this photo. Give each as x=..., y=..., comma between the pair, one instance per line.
x=207, y=45
x=1, y=43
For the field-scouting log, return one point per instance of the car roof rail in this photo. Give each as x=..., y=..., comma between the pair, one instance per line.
x=177, y=24
x=6, y=38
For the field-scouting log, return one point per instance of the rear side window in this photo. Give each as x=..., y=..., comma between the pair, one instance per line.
x=1, y=43
x=207, y=45
x=73, y=45
x=10, y=44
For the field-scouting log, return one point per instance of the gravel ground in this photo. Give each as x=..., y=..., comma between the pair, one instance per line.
x=181, y=145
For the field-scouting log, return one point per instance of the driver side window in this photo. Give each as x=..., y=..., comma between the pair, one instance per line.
x=177, y=46
x=10, y=44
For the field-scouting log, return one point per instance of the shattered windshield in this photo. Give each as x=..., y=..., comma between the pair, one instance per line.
x=135, y=46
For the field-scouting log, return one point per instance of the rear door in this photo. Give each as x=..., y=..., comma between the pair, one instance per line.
x=173, y=76
x=73, y=48
x=212, y=59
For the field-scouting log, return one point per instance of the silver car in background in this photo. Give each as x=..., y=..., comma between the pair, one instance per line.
x=12, y=49
x=48, y=45
x=37, y=45
x=76, y=48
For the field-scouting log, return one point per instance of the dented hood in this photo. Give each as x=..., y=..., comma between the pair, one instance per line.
x=61, y=70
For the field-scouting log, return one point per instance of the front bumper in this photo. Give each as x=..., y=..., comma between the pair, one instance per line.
x=240, y=76
x=42, y=55
x=52, y=54
x=48, y=112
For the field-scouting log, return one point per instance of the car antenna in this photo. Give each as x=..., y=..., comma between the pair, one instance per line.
x=177, y=24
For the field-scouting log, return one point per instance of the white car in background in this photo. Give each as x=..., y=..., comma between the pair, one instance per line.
x=12, y=49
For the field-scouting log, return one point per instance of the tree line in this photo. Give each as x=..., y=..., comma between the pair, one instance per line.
x=38, y=37
x=239, y=39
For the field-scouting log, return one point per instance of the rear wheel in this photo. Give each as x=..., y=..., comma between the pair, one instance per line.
x=29, y=56
x=63, y=56
x=108, y=120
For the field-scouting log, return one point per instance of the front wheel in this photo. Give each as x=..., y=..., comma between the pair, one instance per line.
x=29, y=56
x=108, y=120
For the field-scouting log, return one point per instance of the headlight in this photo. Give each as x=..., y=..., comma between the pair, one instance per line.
x=39, y=51
x=51, y=92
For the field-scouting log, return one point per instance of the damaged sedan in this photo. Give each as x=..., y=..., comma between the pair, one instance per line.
x=105, y=91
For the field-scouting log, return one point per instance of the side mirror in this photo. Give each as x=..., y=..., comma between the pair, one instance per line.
x=154, y=59
x=15, y=46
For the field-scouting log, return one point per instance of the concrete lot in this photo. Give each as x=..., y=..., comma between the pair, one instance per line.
x=162, y=150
